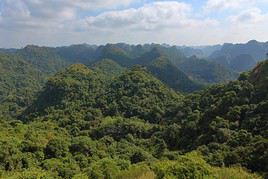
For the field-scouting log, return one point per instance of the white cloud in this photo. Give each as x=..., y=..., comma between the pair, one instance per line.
x=216, y=5
x=158, y=15
x=63, y=22
x=93, y=4
x=253, y=15
x=49, y=13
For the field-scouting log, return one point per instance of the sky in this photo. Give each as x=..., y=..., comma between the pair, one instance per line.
x=174, y=22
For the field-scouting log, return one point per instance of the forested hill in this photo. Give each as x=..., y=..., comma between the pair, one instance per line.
x=19, y=83
x=44, y=59
x=134, y=93
x=228, y=123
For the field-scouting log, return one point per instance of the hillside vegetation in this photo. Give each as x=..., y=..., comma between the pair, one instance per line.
x=110, y=120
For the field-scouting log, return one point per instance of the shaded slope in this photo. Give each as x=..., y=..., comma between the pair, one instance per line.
x=242, y=55
x=206, y=72
x=164, y=70
x=19, y=81
x=259, y=77
x=148, y=57
x=228, y=122
x=70, y=89
x=242, y=62
x=111, y=51
x=81, y=53
x=43, y=58
x=108, y=67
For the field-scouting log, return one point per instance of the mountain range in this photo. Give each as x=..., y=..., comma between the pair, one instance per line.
x=133, y=111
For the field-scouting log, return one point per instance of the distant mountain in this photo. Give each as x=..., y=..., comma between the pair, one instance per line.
x=81, y=53
x=173, y=54
x=242, y=63
x=159, y=64
x=108, y=67
x=148, y=57
x=111, y=51
x=199, y=51
x=43, y=58
x=168, y=73
x=8, y=50
x=134, y=51
x=205, y=71
x=241, y=57
x=189, y=51
x=191, y=72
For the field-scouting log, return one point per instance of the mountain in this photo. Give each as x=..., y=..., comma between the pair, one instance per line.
x=206, y=72
x=109, y=67
x=190, y=51
x=4, y=50
x=134, y=51
x=19, y=83
x=173, y=54
x=242, y=56
x=51, y=60
x=43, y=58
x=71, y=88
x=199, y=51
x=242, y=63
x=228, y=122
x=164, y=70
x=158, y=63
x=86, y=124
x=81, y=90
x=259, y=77
x=137, y=93
x=81, y=53
x=111, y=51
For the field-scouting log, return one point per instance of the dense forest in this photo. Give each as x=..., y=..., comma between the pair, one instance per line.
x=130, y=111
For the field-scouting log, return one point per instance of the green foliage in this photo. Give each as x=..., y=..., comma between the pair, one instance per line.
x=57, y=148
x=136, y=93
x=106, y=168
x=111, y=123
x=108, y=67
x=188, y=166
x=227, y=123
x=19, y=83
x=234, y=173
x=139, y=171
x=44, y=59
x=258, y=76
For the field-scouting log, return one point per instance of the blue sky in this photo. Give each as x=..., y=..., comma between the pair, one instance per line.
x=184, y=22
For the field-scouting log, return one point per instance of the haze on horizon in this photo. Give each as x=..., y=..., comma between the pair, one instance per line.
x=185, y=22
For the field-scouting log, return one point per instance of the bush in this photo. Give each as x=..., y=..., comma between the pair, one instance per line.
x=189, y=166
